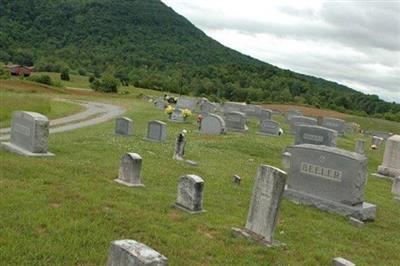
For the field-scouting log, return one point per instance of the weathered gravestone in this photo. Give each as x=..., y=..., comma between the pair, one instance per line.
x=264, y=206
x=291, y=113
x=156, y=131
x=253, y=110
x=269, y=127
x=29, y=134
x=377, y=141
x=390, y=166
x=315, y=135
x=297, y=121
x=265, y=114
x=234, y=107
x=329, y=179
x=124, y=126
x=186, y=103
x=360, y=146
x=179, y=150
x=213, y=125
x=190, y=194
x=236, y=121
x=160, y=104
x=207, y=107
x=129, y=170
x=396, y=187
x=177, y=116
x=335, y=124
x=132, y=253
x=379, y=134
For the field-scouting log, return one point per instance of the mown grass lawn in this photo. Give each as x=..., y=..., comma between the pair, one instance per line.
x=66, y=210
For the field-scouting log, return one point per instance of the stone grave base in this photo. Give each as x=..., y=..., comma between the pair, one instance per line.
x=178, y=206
x=267, y=134
x=382, y=176
x=363, y=212
x=18, y=150
x=388, y=171
x=119, y=181
x=237, y=232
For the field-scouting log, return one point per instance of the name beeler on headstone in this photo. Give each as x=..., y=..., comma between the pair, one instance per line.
x=124, y=126
x=190, y=194
x=129, y=252
x=297, y=121
x=330, y=179
x=236, y=121
x=263, y=213
x=129, y=170
x=213, y=124
x=315, y=135
x=269, y=128
x=390, y=166
x=156, y=131
x=29, y=134
x=335, y=124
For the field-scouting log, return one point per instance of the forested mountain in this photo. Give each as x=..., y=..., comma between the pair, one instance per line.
x=145, y=43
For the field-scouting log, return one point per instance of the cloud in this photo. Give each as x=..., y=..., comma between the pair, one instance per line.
x=356, y=43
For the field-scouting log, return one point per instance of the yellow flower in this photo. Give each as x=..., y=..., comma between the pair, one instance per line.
x=186, y=113
x=169, y=110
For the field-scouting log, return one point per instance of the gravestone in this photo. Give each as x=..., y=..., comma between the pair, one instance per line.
x=342, y=262
x=160, y=104
x=236, y=179
x=377, y=141
x=269, y=127
x=360, y=146
x=297, y=121
x=380, y=134
x=349, y=129
x=320, y=120
x=156, y=131
x=129, y=252
x=265, y=114
x=335, y=124
x=186, y=103
x=177, y=116
x=213, y=125
x=315, y=135
x=236, y=121
x=190, y=194
x=124, y=126
x=263, y=213
x=207, y=107
x=29, y=134
x=291, y=113
x=253, y=110
x=129, y=170
x=330, y=179
x=390, y=166
x=234, y=107
x=179, y=150
x=396, y=187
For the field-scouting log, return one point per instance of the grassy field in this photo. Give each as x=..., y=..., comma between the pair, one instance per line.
x=66, y=210
x=76, y=81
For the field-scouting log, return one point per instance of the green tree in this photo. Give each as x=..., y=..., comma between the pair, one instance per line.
x=65, y=74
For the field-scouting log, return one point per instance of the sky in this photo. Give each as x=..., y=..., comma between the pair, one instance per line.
x=355, y=43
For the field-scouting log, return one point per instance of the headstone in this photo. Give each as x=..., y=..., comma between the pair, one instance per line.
x=179, y=150
x=190, y=194
x=330, y=179
x=124, y=126
x=349, y=128
x=186, y=103
x=207, y=107
x=236, y=179
x=380, y=134
x=236, y=121
x=213, y=125
x=160, y=104
x=360, y=146
x=263, y=213
x=391, y=159
x=265, y=114
x=253, y=110
x=377, y=141
x=234, y=107
x=315, y=135
x=132, y=253
x=286, y=157
x=320, y=120
x=342, y=262
x=177, y=116
x=129, y=170
x=29, y=134
x=396, y=187
x=156, y=131
x=291, y=113
x=297, y=121
x=269, y=127
x=335, y=124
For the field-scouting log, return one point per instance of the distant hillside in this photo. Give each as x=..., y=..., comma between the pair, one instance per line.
x=145, y=43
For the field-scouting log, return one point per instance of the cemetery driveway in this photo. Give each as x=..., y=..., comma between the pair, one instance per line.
x=95, y=113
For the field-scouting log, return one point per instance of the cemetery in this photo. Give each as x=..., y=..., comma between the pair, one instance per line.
x=255, y=196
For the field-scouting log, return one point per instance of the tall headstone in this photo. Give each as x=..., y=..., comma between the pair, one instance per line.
x=335, y=124
x=190, y=194
x=330, y=179
x=315, y=135
x=29, y=134
x=186, y=103
x=129, y=170
x=269, y=127
x=263, y=213
x=124, y=126
x=177, y=116
x=391, y=159
x=213, y=125
x=156, y=131
x=360, y=146
x=291, y=113
x=236, y=121
x=396, y=188
x=179, y=150
x=129, y=252
x=297, y=121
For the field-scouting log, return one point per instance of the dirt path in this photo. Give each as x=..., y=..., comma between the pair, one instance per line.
x=95, y=113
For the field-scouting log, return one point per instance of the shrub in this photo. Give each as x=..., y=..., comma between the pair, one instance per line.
x=91, y=78
x=106, y=84
x=82, y=72
x=44, y=79
x=65, y=74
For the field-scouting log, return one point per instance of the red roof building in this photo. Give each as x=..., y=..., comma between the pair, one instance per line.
x=18, y=70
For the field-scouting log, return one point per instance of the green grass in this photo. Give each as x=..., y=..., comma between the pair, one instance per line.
x=76, y=81
x=13, y=101
x=66, y=210
x=368, y=123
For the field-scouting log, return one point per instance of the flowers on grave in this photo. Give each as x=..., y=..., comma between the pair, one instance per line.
x=186, y=113
x=169, y=110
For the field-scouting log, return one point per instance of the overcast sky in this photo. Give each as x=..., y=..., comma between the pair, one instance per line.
x=356, y=43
